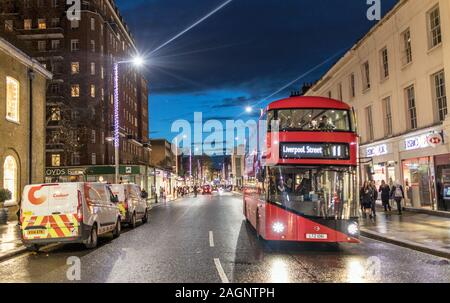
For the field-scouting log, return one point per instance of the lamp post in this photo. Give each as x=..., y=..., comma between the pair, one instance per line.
x=137, y=61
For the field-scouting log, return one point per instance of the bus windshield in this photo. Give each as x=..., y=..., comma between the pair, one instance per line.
x=312, y=120
x=325, y=192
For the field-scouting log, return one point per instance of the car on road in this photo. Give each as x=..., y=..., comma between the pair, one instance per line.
x=206, y=190
x=132, y=203
x=68, y=213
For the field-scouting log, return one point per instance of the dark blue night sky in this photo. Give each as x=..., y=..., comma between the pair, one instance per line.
x=239, y=56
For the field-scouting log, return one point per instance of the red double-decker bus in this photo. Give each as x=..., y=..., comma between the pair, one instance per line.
x=303, y=186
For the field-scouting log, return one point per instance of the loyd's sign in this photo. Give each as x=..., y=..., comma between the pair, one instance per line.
x=63, y=172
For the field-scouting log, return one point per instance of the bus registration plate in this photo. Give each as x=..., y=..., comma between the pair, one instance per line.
x=317, y=236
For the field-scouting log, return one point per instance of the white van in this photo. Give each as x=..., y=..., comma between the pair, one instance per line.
x=132, y=203
x=68, y=213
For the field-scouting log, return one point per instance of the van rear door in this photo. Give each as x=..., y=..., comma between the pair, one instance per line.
x=50, y=211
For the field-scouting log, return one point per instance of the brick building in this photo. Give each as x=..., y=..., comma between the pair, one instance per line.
x=81, y=54
x=22, y=95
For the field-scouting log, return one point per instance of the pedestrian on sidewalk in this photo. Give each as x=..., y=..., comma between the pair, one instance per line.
x=385, y=191
x=374, y=198
x=398, y=194
x=367, y=198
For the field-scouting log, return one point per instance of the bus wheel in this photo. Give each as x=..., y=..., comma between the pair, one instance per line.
x=258, y=236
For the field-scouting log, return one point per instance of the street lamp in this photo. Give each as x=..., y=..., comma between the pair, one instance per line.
x=137, y=62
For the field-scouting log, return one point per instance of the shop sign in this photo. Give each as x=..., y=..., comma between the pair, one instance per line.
x=376, y=151
x=434, y=140
x=423, y=141
x=63, y=172
x=128, y=170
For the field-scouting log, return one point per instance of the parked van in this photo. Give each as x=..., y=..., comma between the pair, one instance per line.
x=132, y=203
x=68, y=213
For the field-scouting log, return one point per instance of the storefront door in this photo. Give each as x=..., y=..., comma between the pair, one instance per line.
x=417, y=178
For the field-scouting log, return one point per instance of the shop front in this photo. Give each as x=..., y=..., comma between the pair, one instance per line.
x=378, y=164
x=105, y=174
x=423, y=158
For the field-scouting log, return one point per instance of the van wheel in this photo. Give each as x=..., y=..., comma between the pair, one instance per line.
x=117, y=230
x=32, y=248
x=133, y=221
x=93, y=238
x=145, y=218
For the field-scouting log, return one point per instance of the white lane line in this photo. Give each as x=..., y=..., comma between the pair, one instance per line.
x=211, y=239
x=220, y=270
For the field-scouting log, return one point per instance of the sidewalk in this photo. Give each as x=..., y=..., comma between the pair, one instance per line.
x=423, y=232
x=10, y=243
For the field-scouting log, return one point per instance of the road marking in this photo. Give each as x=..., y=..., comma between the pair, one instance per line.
x=211, y=239
x=220, y=270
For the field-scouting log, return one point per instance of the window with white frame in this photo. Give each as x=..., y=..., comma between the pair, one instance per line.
x=369, y=120
x=9, y=25
x=12, y=99
x=74, y=45
x=56, y=160
x=92, y=24
x=75, y=68
x=434, y=27
x=42, y=24
x=94, y=159
x=384, y=63
x=74, y=24
x=340, y=97
x=11, y=178
x=407, y=47
x=411, y=106
x=75, y=158
x=27, y=24
x=387, y=111
x=440, y=95
x=56, y=44
x=93, y=137
x=92, y=90
x=366, y=75
x=42, y=45
x=75, y=90
x=352, y=85
x=92, y=68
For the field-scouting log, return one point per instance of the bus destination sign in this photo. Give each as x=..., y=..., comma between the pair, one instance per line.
x=332, y=151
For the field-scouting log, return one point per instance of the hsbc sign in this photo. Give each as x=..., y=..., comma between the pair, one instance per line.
x=423, y=141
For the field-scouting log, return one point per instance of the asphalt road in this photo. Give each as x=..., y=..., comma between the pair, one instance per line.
x=206, y=239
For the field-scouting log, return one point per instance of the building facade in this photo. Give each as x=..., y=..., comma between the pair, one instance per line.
x=23, y=83
x=396, y=78
x=81, y=54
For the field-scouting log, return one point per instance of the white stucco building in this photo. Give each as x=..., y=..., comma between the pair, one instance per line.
x=395, y=78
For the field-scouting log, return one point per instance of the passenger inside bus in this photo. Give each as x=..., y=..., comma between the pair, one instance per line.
x=311, y=192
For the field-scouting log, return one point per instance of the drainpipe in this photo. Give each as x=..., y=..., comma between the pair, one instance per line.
x=31, y=76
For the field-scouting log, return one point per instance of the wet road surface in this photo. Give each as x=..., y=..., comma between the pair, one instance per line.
x=206, y=239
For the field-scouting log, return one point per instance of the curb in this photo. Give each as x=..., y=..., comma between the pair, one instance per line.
x=405, y=243
x=13, y=253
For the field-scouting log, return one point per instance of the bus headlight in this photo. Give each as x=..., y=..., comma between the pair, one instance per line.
x=278, y=227
x=353, y=229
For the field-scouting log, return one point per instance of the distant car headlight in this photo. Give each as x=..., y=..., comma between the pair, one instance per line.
x=353, y=229
x=278, y=227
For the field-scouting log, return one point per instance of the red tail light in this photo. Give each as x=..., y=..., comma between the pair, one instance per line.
x=80, y=207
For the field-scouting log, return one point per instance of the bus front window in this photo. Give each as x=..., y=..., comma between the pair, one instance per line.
x=315, y=192
x=314, y=120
